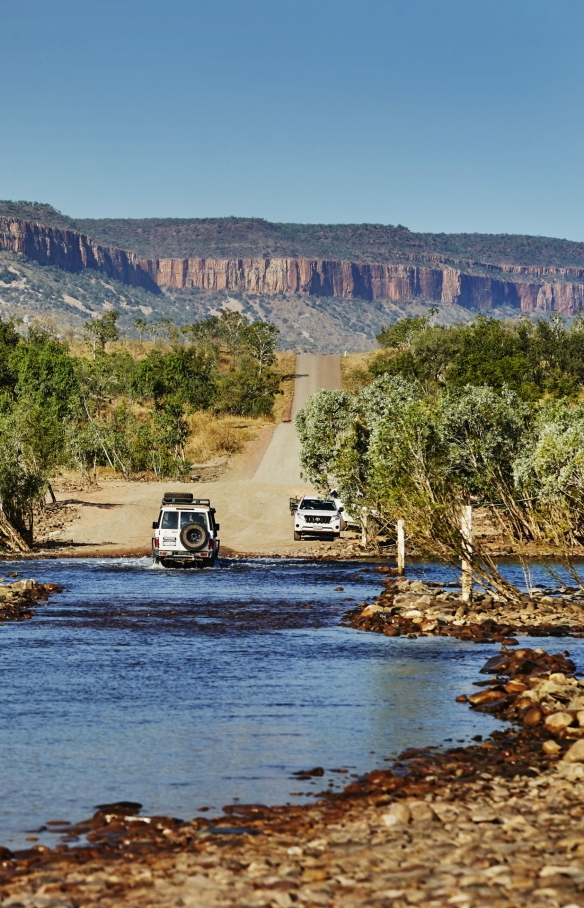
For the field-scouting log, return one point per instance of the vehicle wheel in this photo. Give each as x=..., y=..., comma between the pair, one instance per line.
x=336, y=535
x=297, y=536
x=194, y=537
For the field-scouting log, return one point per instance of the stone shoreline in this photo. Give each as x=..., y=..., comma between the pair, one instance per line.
x=414, y=608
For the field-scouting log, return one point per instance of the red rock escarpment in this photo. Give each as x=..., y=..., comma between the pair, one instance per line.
x=473, y=285
x=72, y=251
x=547, y=290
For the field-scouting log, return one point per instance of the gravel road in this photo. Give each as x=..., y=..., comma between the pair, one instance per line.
x=251, y=498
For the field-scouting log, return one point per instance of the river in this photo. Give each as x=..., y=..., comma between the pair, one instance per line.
x=183, y=690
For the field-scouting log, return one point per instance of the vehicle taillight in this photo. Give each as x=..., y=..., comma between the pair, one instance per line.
x=211, y=543
x=156, y=542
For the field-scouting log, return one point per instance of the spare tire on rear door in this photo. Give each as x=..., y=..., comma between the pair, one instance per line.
x=194, y=537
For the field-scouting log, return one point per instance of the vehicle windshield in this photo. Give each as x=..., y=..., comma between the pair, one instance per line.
x=170, y=519
x=312, y=504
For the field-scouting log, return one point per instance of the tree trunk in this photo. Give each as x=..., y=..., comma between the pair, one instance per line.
x=10, y=538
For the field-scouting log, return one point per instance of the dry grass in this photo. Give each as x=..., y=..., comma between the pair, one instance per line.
x=354, y=372
x=214, y=436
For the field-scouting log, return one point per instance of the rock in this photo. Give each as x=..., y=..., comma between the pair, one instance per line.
x=580, y=718
x=429, y=626
x=551, y=747
x=556, y=721
x=533, y=717
x=485, y=696
x=371, y=610
x=398, y=813
x=421, y=812
x=418, y=586
x=575, y=753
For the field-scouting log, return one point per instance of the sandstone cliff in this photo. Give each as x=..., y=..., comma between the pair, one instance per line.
x=72, y=251
x=431, y=278
x=527, y=289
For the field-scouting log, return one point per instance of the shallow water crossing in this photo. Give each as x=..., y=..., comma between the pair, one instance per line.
x=183, y=690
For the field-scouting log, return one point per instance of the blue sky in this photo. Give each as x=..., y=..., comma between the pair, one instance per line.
x=442, y=115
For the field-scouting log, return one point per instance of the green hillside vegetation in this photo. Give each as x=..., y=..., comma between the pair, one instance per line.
x=129, y=413
x=36, y=211
x=248, y=237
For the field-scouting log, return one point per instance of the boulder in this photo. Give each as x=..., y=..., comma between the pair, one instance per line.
x=555, y=721
x=370, y=610
x=398, y=814
x=575, y=753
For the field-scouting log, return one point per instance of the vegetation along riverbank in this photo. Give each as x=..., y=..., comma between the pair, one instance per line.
x=487, y=415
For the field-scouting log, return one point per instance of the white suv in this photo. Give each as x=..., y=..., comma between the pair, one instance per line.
x=317, y=517
x=185, y=533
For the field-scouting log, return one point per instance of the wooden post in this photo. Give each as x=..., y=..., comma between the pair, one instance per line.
x=466, y=527
x=401, y=548
x=364, y=527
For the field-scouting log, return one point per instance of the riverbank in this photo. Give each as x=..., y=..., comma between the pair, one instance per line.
x=498, y=823
x=419, y=608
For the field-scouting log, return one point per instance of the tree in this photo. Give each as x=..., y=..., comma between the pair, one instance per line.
x=247, y=391
x=230, y=330
x=326, y=415
x=141, y=326
x=101, y=331
x=260, y=339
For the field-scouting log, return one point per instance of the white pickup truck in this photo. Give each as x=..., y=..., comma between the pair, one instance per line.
x=185, y=534
x=316, y=517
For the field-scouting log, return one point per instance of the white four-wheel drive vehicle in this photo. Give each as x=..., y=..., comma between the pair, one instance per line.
x=318, y=517
x=185, y=533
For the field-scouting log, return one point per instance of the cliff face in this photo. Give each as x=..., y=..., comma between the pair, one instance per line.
x=72, y=251
x=542, y=289
x=473, y=285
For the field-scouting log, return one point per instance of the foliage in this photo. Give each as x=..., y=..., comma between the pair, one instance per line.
x=249, y=237
x=320, y=425
x=532, y=359
x=101, y=331
x=131, y=415
x=403, y=454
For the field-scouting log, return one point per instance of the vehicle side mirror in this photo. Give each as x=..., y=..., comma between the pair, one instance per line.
x=341, y=508
x=217, y=527
x=155, y=525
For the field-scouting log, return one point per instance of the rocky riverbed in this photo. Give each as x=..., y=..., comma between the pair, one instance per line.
x=18, y=597
x=414, y=608
x=499, y=823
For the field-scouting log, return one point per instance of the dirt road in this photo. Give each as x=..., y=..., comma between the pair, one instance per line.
x=251, y=498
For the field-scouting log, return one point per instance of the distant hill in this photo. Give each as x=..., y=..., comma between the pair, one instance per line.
x=153, y=238
x=328, y=287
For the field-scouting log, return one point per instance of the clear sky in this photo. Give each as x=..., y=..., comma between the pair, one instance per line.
x=442, y=115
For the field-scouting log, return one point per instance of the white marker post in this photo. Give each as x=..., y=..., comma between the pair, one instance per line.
x=364, y=527
x=401, y=548
x=466, y=527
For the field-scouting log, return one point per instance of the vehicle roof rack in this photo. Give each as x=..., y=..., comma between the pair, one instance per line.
x=184, y=498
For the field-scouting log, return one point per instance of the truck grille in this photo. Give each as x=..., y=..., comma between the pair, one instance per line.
x=311, y=519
